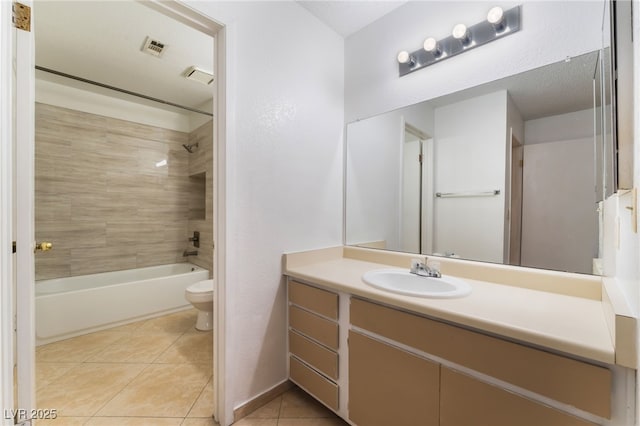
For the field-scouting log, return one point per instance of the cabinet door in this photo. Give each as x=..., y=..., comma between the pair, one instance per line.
x=466, y=401
x=388, y=386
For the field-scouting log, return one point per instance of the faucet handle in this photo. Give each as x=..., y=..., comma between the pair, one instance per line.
x=434, y=267
x=416, y=265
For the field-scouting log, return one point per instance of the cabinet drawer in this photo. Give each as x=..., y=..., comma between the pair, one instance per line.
x=314, y=299
x=467, y=401
x=323, y=389
x=321, y=358
x=576, y=383
x=318, y=328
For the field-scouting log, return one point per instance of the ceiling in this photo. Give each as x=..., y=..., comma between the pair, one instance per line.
x=102, y=40
x=347, y=17
x=557, y=88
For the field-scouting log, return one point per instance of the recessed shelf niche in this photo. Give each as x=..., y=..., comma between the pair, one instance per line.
x=197, y=196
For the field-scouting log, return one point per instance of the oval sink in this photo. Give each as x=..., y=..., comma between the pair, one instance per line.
x=403, y=282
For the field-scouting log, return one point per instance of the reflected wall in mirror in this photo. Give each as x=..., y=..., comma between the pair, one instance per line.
x=503, y=172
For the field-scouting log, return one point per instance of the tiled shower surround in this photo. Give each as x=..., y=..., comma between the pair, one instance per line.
x=107, y=199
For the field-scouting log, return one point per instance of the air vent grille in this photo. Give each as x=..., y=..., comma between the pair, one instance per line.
x=153, y=47
x=196, y=74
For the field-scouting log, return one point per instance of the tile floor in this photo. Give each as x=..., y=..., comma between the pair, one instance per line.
x=153, y=372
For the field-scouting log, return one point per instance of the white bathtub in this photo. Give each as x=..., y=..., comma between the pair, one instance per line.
x=67, y=307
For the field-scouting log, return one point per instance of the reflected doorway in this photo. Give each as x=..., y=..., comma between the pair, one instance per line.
x=415, y=179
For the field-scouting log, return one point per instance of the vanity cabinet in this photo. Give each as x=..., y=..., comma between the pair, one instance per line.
x=389, y=386
x=376, y=364
x=314, y=341
x=569, y=381
x=467, y=401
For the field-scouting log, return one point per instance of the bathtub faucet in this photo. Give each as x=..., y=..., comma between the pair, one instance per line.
x=190, y=253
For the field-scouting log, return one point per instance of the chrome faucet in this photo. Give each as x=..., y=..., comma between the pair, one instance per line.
x=190, y=253
x=423, y=270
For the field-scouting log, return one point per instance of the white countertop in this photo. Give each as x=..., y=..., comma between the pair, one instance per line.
x=570, y=324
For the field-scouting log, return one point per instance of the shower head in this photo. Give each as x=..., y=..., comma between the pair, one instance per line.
x=190, y=147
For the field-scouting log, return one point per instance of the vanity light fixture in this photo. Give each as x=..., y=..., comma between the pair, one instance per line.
x=498, y=23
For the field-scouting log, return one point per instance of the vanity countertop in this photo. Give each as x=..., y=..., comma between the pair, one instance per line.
x=575, y=325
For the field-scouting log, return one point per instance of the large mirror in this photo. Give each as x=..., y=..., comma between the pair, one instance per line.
x=511, y=172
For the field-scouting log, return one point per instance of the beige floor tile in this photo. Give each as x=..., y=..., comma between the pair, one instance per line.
x=63, y=421
x=190, y=348
x=208, y=421
x=128, y=328
x=47, y=372
x=162, y=390
x=256, y=422
x=134, y=421
x=135, y=347
x=173, y=323
x=76, y=349
x=298, y=404
x=270, y=410
x=335, y=421
x=204, y=404
x=82, y=390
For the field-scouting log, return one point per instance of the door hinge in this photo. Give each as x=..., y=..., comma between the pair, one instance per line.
x=521, y=163
x=420, y=158
x=22, y=17
x=13, y=247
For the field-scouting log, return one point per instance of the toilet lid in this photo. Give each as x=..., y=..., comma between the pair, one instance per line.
x=201, y=287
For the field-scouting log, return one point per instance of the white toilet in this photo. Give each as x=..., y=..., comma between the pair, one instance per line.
x=200, y=295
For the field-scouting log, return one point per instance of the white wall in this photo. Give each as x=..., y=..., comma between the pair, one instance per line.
x=374, y=173
x=65, y=96
x=551, y=30
x=284, y=173
x=559, y=219
x=470, y=155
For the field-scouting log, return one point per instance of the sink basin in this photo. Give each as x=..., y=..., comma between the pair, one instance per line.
x=403, y=282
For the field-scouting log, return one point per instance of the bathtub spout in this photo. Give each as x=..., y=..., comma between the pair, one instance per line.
x=190, y=253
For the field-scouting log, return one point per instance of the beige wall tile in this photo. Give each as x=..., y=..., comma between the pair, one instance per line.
x=101, y=197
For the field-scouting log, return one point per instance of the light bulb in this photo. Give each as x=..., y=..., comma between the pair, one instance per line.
x=495, y=15
x=404, y=57
x=432, y=46
x=460, y=32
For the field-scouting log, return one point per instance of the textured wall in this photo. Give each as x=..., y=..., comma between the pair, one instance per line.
x=103, y=196
x=551, y=31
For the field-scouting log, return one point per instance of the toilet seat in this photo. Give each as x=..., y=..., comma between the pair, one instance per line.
x=200, y=287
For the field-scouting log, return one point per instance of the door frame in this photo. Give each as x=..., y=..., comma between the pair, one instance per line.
x=188, y=16
x=6, y=212
x=8, y=128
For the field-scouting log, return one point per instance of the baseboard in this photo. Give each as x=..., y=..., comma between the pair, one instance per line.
x=257, y=402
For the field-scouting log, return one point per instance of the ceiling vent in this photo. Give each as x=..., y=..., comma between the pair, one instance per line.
x=153, y=47
x=196, y=74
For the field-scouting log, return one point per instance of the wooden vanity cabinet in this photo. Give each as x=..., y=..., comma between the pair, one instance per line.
x=467, y=401
x=403, y=380
x=389, y=386
x=405, y=369
x=314, y=341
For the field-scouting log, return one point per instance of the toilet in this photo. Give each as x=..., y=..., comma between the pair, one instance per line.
x=200, y=295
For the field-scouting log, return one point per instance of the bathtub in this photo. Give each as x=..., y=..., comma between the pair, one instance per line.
x=67, y=307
